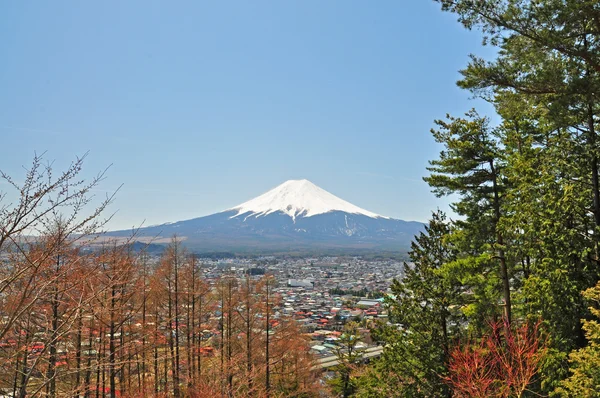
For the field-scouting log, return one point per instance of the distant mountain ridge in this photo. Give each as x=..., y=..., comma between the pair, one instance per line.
x=296, y=215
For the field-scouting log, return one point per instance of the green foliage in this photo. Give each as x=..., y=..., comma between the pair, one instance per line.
x=585, y=362
x=543, y=83
x=527, y=192
x=345, y=383
x=472, y=166
x=416, y=341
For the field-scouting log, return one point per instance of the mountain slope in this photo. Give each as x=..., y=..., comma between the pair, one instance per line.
x=296, y=215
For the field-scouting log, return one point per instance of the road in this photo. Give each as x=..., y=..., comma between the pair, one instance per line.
x=331, y=361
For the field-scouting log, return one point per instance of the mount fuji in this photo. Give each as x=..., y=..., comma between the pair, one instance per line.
x=296, y=215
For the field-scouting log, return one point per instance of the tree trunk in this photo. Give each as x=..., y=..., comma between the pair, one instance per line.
x=156, y=342
x=172, y=342
x=229, y=334
x=190, y=324
x=267, y=358
x=222, y=340
x=111, y=345
x=500, y=243
x=248, y=336
x=176, y=367
x=88, y=370
x=17, y=363
x=198, y=353
x=78, y=353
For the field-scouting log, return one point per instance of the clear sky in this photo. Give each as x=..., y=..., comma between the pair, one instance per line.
x=200, y=106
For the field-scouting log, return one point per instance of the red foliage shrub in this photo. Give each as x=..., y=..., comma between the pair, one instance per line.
x=502, y=363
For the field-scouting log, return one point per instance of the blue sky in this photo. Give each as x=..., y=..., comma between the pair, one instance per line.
x=200, y=106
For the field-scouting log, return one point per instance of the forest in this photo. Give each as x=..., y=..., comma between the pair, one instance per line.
x=502, y=299
x=499, y=299
x=83, y=317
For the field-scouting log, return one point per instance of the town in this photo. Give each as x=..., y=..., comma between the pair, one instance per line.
x=175, y=319
x=321, y=294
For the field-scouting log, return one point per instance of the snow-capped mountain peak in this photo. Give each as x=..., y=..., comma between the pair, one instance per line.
x=281, y=220
x=298, y=198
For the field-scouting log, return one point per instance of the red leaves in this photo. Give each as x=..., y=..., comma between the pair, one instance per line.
x=501, y=364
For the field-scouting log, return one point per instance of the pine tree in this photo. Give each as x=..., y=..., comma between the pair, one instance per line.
x=585, y=362
x=544, y=83
x=348, y=357
x=471, y=166
x=424, y=316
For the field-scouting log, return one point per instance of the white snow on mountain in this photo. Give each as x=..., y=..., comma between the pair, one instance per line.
x=298, y=198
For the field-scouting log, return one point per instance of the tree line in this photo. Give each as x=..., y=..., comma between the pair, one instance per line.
x=116, y=322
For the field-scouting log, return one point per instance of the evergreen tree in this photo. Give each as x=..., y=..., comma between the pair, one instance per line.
x=423, y=318
x=544, y=83
x=348, y=357
x=471, y=166
x=585, y=362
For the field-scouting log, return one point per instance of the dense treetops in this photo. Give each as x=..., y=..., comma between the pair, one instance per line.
x=500, y=288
